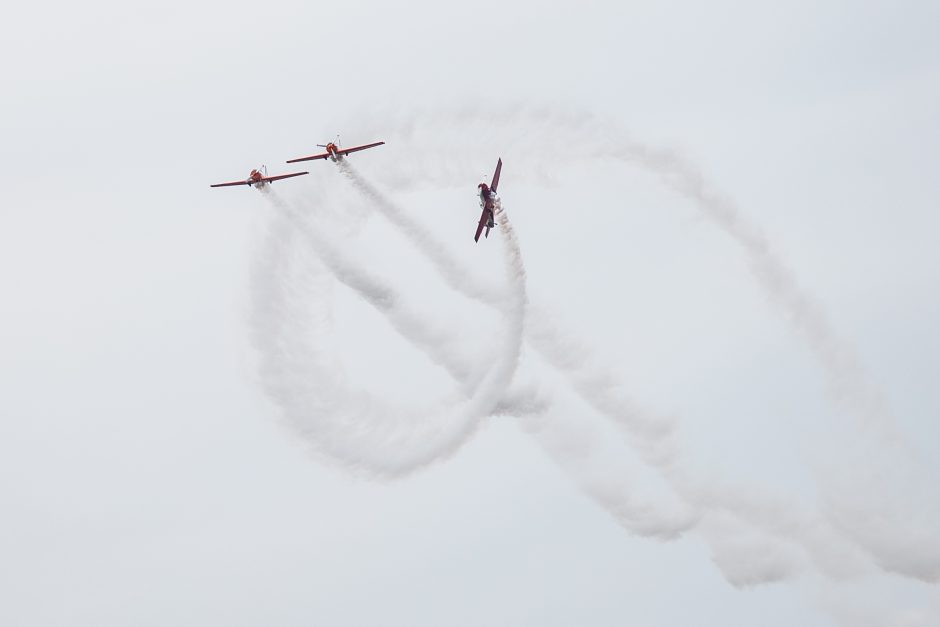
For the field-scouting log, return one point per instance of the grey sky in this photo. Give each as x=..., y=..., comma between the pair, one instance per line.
x=146, y=477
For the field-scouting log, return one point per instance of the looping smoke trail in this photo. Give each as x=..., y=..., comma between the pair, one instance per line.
x=615, y=495
x=879, y=532
x=595, y=385
x=350, y=426
x=533, y=137
x=874, y=501
x=654, y=436
x=534, y=133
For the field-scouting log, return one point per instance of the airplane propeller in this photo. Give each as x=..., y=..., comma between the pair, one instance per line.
x=337, y=143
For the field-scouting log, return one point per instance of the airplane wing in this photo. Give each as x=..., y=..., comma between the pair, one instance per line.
x=230, y=184
x=324, y=155
x=499, y=166
x=476, y=238
x=268, y=179
x=346, y=151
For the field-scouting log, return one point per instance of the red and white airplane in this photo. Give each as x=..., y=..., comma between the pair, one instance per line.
x=257, y=179
x=334, y=152
x=488, y=200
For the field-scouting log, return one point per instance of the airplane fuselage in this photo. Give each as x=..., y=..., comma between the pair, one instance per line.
x=331, y=149
x=487, y=203
x=255, y=179
x=259, y=179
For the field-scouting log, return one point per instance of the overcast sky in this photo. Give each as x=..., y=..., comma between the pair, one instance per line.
x=727, y=215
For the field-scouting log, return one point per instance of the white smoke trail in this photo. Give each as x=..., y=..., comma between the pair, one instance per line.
x=596, y=386
x=882, y=534
x=453, y=273
x=349, y=425
x=613, y=492
x=606, y=477
x=656, y=439
x=584, y=138
x=538, y=138
x=843, y=368
x=873, y=500
x=616, y=495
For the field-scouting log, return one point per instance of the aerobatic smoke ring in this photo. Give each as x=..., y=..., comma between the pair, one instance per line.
x=830, y=542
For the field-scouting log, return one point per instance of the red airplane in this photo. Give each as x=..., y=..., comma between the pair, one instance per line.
x=334, y=152
x=258, y=180
x=488, y=200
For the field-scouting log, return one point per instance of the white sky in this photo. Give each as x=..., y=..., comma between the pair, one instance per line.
x=146, y=477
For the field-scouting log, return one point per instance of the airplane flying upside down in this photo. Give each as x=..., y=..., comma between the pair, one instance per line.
x=334, y=152
x=258, y=180
x=488, y=200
